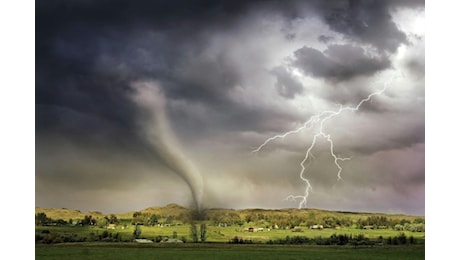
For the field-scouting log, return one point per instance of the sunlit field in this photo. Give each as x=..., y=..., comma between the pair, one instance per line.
x=224, y=234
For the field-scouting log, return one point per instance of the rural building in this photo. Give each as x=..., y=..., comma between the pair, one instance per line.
x=111, y=226
x=142, y=240
x=368, y=227
x=171, y=240
x=316, y=227
x=251, y=229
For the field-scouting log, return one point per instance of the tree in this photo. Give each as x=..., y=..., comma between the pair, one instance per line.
x=137, y=232
x=102, y=222
x=113, y=219
x=40, y=218
x=153, y=220
x=194, y=233
x=249, y=218
x=203, y=233
x=169, y=220
x=235, y=219
x=88, y=220
x=419, y=221
x=402, y=239
x=398, y=227
x=137, y=218
x=404, y=221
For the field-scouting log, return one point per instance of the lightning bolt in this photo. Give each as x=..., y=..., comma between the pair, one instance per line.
x=319, y=119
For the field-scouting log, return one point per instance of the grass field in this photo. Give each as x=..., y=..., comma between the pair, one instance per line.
x=224, y=234
x=221, y=251
x=97, y=242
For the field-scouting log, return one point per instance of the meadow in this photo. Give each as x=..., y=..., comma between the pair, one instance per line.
x=277, y=234
x=217, y=234
x=220, y=251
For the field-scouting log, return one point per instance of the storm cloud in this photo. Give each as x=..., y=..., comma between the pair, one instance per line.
x=338, y=62
x=287, y=85
x=232, y=74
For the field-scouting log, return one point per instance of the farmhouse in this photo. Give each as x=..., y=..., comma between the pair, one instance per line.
x=142, y=240
x=251, y=229
x=316, y=227
x=111, y=226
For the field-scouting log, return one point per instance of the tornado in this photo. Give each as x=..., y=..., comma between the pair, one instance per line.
x=156, y=129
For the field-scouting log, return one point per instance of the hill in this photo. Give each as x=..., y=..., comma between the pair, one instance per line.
x=281, y=216
x=65, y=214
x=168, y=210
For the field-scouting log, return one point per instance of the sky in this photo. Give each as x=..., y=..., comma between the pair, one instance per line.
x=145, y=103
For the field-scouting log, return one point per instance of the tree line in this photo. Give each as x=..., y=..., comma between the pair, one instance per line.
x=273, y=221
x=344, y=239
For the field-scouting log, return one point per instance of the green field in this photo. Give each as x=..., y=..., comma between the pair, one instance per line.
x=221, y=251
x=224, y=234
x=285, y=234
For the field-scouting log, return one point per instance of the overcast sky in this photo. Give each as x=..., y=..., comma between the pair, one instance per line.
x=140, y=102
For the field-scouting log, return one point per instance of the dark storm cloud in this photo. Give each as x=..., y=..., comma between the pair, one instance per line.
x=88, y=54
x=368, y=22
x=87, y=57
x=286, y=84
x=338, y=62
x=141, y=12
x=325, y=39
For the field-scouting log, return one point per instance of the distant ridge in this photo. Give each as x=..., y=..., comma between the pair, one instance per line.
x=66, y=214
x=176, y=210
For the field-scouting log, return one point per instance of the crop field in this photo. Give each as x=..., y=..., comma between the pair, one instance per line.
x=221, y=251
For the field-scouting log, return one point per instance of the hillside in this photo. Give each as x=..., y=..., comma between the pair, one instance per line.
x=168, y=210
x=228, y=215
x=65, y=214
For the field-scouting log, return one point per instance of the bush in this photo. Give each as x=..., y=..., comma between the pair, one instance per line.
x=237, y=240
x=158, y=239
x=402, y=239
